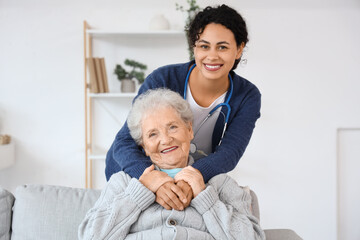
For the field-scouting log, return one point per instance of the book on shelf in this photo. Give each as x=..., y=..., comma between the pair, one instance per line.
x=94, y=88
x=104, y=76
x=99, y=75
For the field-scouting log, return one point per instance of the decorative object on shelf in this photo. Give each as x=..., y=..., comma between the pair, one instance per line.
x=98, y=77
x=159, y=23
x=190, y=14
x=127, y=78
x=5, y=139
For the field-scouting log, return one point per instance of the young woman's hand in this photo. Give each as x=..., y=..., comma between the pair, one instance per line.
x=153, y=179
x=193, y=177
x=170, y=196
x=186, y=188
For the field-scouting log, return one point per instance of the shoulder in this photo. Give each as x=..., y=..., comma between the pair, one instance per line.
x=116, y=185
x=170, y=76
x=172, y=67
x=228, y=189
x=246, y=96
x=119, y=181
x=244, y=86
x=172, y=70
x=220, y=180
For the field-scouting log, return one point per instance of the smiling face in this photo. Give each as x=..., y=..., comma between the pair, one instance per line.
x=166, y=138
x=216, y=51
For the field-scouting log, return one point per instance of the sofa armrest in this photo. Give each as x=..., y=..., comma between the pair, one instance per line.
x=281, y=234
x=6, y=204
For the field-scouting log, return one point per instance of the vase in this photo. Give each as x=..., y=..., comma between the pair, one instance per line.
x=127, y=85
x=159, y=22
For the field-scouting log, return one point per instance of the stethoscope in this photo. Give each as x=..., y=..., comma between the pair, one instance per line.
x=226, y=104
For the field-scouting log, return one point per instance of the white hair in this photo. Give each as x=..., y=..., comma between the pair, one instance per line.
x=150, y=101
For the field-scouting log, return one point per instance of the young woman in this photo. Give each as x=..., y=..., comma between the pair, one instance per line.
x=225, y=105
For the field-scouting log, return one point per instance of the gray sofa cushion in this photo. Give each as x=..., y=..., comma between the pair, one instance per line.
x=276, y=234
x=6, y=203
x=44, y=212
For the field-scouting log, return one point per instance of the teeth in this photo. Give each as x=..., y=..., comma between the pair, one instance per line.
x=212, y=66
x=168, y=150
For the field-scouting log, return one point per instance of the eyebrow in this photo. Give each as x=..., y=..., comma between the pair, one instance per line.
x=219, y=43
x=155, y=129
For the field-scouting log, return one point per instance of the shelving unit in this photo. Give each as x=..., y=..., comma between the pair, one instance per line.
x=147, y=45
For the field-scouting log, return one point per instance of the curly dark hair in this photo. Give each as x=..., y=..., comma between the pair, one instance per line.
x=223, y=15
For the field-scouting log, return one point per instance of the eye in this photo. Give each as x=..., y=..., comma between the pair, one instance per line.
x=151, y=135
x=173, y=127
x=222, y=47
x=204, y=46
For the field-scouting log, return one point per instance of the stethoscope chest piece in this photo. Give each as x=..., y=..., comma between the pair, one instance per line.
x=192, y=148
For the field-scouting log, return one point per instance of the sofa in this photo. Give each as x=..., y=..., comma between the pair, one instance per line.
x=43, y=212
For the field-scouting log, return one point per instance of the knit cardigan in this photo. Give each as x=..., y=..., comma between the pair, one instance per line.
x=126, y=209
x=125, y=154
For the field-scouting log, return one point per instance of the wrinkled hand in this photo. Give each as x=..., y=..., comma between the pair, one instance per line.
x=186, y=188
x=193, y=177
x=153, y=179
x=170, y=196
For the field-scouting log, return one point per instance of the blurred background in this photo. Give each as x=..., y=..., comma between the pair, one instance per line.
x=304, y=56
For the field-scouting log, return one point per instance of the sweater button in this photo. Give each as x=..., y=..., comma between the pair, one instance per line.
x=172, y=222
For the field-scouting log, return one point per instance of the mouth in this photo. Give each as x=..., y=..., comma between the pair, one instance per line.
x=170, y=149
x=212, y=67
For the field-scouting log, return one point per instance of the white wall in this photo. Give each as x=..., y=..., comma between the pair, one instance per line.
x=304, y=57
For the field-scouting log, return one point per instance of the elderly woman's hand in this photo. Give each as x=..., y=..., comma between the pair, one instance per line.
x=153, y=179
x=193, y=177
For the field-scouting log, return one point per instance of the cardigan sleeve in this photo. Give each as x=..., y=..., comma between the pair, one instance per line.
x=225, y=208
x=119, y=206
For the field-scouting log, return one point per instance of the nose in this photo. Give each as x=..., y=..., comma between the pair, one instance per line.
x=166, y=139
x=212, y=54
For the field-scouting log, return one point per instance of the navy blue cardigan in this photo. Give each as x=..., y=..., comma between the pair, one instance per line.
x=125, y=155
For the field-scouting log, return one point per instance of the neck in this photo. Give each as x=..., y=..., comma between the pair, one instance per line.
x=206, y=91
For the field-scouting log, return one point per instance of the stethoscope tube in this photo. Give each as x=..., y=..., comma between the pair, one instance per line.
x=226, y=103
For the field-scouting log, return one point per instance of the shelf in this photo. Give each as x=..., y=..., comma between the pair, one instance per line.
x=95, y=32
x=112, y=95
x=97, y=156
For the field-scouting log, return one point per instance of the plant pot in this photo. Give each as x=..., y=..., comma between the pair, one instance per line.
x=127, y=85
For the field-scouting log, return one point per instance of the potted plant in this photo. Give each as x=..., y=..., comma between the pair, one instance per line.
x=127, y=77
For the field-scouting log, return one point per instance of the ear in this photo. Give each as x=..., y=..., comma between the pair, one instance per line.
x=146, y=152
x=240, y=50
x=191, y=132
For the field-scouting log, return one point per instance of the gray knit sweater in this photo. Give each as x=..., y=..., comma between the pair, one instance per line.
x=126, y=209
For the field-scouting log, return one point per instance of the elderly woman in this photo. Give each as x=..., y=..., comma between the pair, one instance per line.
x=161, y=123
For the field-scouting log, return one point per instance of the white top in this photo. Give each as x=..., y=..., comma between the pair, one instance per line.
x=203, y=131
